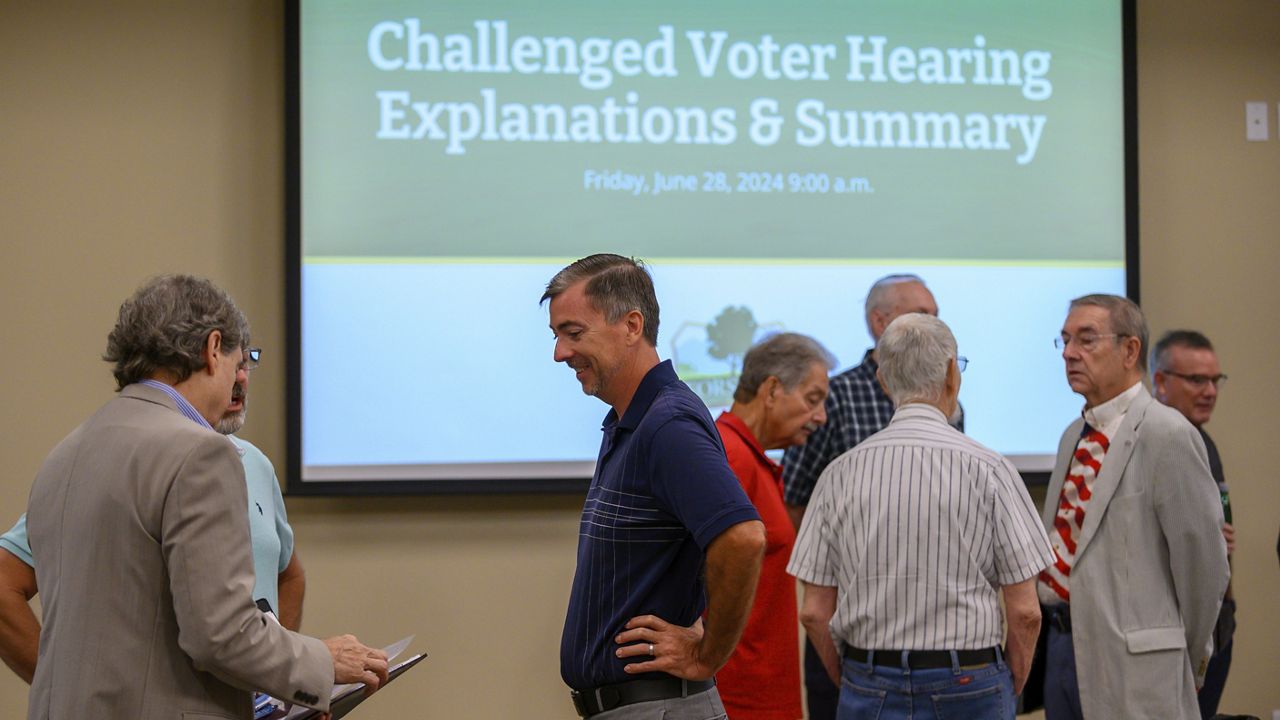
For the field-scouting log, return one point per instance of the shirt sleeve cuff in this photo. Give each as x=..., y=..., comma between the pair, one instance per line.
x=722, y=521
x=17, y=552
x=812, y=575
x=1022, y=573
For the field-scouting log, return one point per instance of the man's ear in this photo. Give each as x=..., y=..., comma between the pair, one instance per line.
x=212, y=351
x=1132, y=352
x=1158, y=380
x=880, y=379
x=635, y=326
x=768, y=387
x=877, y=323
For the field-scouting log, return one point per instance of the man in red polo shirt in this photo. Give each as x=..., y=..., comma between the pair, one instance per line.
x=780, y=399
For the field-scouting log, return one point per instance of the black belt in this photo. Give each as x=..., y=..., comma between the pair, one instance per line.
x=607, y=697
x=923, y=659
x=1060, y=618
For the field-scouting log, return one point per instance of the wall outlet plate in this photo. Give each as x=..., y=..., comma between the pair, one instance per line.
x=1256, y=127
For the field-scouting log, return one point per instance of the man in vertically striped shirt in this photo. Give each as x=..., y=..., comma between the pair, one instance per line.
x=908, y=541
x=857, y=408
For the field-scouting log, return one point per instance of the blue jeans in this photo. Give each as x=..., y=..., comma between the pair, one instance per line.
x=873, y=692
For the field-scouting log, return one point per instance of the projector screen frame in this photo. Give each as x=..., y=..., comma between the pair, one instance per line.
x=389, y=486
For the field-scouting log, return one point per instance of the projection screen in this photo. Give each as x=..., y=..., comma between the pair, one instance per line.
x=768, y=161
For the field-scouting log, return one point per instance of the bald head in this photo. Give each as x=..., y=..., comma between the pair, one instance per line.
x=895, y=295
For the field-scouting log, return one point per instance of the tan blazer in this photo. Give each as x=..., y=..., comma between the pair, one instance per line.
x=1150, y=570
x=138, y=524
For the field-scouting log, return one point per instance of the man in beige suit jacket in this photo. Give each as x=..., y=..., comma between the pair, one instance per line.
x=1133, y=517
x=137, y=522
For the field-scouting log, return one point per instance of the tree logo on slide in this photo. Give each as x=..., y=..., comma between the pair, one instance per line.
x=708, y=356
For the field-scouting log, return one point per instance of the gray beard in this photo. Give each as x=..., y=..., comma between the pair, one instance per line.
x=230, y=424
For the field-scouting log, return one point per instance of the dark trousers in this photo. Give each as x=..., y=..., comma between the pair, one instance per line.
x=822, y=695
x=1061, y=687
x=1215, y=681
x=1062, y=690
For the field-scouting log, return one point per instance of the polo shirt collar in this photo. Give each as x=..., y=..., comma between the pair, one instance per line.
x=658, y=377
x=734, y=423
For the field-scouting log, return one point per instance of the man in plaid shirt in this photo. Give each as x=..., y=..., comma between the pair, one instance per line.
x=857, y=408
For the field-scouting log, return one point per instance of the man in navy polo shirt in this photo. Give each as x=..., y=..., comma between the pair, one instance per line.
x=664, y=511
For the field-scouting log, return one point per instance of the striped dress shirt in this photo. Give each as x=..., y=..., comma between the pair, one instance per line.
x=857, y=408
x=917, y=528
x=184, y=406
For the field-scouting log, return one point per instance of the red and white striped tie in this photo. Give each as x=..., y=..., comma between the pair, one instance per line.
x=1076, y=491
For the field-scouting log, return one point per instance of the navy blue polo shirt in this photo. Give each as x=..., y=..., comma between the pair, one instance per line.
x=662, y=491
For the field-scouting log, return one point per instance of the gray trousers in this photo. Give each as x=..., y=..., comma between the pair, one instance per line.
x=703, y=706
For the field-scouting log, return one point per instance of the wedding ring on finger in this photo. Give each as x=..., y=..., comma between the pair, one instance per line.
x=651, y=653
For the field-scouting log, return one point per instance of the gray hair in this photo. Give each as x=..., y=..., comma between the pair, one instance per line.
x=915, y=352
x=616, y=285
x=1176, y=338
x=1126, y=319
x=878, y=296
x=786, y=356
x=165, y=324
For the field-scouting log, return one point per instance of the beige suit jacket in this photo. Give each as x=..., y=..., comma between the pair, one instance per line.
x=1150, y=569
x=138, y=526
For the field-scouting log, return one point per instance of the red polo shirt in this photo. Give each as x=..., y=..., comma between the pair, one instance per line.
x=762, y=678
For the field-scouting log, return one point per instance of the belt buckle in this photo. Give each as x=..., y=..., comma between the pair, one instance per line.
x=579, y=704
x=608, y=698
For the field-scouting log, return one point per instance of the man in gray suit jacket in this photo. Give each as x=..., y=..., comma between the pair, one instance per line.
x=137, y=522
x=1133, y=516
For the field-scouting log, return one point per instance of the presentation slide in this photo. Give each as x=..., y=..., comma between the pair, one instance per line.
x=768, y=161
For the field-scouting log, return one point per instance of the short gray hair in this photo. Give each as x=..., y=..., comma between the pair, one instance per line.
x=878, y=296
x=1126, y=317
x=1192, y=339
x=165, y=324
x=914, y=354
x=616, y=285
x=786, y=356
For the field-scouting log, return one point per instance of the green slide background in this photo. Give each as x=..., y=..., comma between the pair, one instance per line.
x=369, y=198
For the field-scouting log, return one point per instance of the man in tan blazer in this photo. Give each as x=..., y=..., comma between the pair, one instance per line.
x=1133, y=517
x=137, y=522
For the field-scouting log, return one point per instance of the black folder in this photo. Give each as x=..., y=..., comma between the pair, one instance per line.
x=348, y=700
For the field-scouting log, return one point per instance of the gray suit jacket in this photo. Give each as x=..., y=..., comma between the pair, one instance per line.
x=1150, y=569
x=138, y=526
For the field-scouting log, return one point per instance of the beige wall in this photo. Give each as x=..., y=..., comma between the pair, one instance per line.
x=140, y=137
x=1210, y=253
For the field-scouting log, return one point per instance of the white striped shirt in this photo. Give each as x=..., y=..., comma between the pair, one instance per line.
x=917, y=528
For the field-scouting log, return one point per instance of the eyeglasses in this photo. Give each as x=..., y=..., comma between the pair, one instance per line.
x=251, y=358
x=1085, y=341
x=1199, y=381
x=962, y=362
